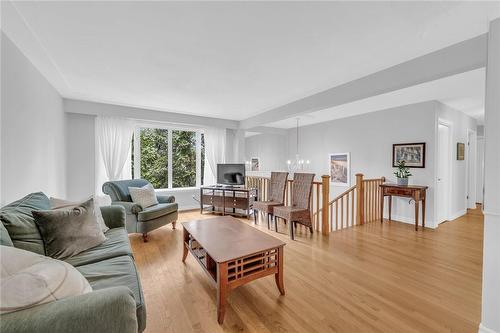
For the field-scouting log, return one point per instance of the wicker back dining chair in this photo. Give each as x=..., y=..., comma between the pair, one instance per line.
x=300, y=209
x=276, y=196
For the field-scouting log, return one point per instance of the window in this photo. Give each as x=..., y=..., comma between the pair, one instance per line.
x=168, y=157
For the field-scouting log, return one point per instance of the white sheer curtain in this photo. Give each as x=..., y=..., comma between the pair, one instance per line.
x=113, y=142
x=215, y=152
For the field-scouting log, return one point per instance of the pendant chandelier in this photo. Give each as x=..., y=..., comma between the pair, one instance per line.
x=298, y=164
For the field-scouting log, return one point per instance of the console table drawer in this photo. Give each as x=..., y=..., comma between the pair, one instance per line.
x=236, y=202
x=398, y=191
x=214, y=200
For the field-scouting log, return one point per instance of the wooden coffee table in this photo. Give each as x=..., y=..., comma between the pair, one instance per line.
x=232, y=253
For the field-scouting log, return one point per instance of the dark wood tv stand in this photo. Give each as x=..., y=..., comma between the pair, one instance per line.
x=226, y=200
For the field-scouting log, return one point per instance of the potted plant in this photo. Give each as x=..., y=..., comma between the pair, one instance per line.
x=403, y=173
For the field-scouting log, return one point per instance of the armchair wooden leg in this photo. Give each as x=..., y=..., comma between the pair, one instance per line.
x=145, y=237
x=268, y=218
x=173, y=224
x=254, y=216
x=291, y=230
x=275, y=224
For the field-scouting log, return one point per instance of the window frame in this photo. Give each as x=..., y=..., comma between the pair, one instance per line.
x=170, y=128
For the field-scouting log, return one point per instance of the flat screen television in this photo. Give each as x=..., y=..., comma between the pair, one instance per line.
x=231, y=174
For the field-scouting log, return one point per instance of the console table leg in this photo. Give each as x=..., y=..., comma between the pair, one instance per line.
x=390, y=208
x=221, y=291
x=423, y=214
x=382, y=208
x=416, y=215
x=279, y=275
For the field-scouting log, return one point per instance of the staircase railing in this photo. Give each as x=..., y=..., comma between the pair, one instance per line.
x=357, y=205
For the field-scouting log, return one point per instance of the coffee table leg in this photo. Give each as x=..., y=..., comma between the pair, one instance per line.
x=184, y=244
x=279, y=275
x=221, y=291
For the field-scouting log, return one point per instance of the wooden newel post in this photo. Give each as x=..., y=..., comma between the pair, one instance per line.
x=360, y=199
x=325, y=226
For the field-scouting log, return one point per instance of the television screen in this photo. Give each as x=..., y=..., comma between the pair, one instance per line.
x=231, y=174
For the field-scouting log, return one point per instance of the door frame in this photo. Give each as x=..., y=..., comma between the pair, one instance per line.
x=449, y=187
x=470, y=173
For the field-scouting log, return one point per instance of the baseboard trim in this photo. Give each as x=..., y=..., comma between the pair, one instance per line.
x=458, y=214
x=411, y=220
x=484, y=329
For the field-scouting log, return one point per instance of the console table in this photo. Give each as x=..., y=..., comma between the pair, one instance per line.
x=227, y=200
x=415, y=192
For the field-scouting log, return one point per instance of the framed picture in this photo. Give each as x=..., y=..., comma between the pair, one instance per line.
x=340, y=169
x=255, y=165
x=460, y=151
x=412, y=153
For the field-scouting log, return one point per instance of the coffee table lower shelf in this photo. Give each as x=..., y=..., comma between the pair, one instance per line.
x=233, y=273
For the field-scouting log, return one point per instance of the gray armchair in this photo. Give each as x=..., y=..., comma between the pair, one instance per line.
x=139, y=219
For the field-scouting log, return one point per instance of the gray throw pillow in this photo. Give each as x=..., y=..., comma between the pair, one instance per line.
x=66, y=233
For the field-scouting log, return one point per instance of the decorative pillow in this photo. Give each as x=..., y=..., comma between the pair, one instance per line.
x=28, y=279
x=143, y=196
x=66, y=233
x=59, y=204
x=20, y=224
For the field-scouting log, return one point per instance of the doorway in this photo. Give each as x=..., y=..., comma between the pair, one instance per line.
x=443, y=180
x=471, y=155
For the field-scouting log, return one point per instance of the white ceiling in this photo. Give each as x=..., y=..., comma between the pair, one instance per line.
x=232, y=60
x=464, y=92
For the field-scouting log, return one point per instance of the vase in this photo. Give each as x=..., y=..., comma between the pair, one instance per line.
x=403, y=181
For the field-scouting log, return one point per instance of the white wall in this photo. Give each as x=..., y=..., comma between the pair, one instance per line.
x=81, y=156
x=480, y=170
x=81, y=144
x=490, y=320
x=369, y=138
x=271, y=149
x=460, y=123
x=33, y=134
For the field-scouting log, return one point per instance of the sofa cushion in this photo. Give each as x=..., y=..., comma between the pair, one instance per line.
x=4, y=236
x=61, y=204
x=113, y=272
x=19, y=222
x=156, y=211
x=29, y=279
x=116, y=244
x=68, y=232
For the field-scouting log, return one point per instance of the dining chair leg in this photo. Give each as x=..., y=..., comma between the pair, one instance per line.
x=268, y=218
x=254, y=216
x=291, y=230
x=311, y=229
x=275, y=223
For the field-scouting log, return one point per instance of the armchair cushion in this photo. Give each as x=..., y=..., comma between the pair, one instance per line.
x=143, y=196
x=156, y=211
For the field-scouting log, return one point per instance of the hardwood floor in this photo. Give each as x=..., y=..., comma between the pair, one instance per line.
x=371, y=278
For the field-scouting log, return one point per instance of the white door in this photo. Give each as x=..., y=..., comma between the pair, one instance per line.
x=443, y=174
x=471, y=168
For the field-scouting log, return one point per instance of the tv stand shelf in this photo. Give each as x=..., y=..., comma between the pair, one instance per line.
x=227, y=200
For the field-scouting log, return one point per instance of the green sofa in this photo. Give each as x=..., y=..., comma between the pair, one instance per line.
x=116, y=303
x=139, y=219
